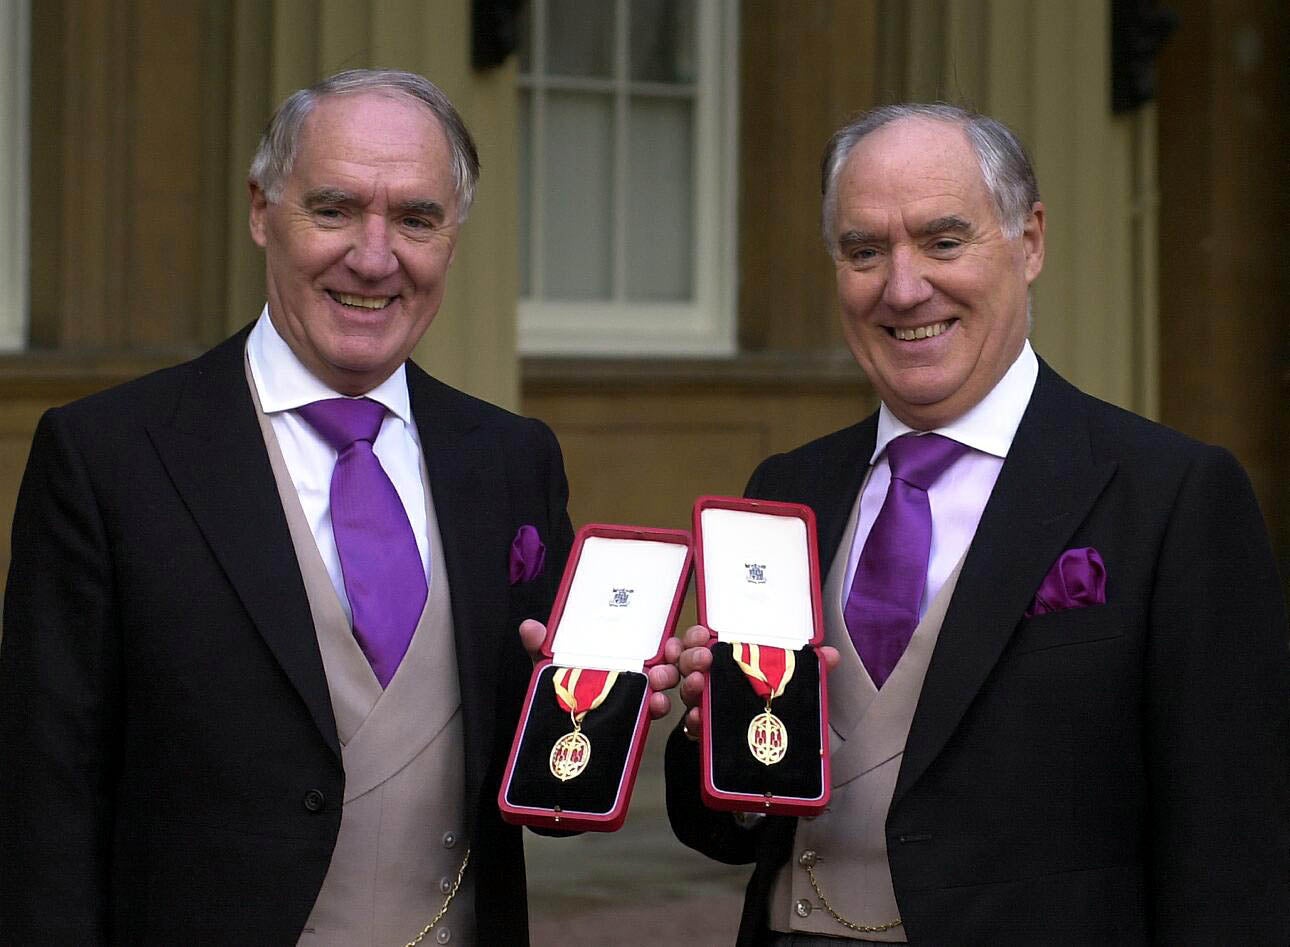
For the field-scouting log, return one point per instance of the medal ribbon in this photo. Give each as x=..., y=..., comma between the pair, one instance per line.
x=582, y=690
x=767, y=668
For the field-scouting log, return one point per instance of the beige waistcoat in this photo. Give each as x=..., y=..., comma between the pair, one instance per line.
x=867, y=741
x=401, y=838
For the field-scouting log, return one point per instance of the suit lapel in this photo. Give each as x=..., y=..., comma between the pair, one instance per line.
x=832, y=493
x=1047, y=485
x=470, y=499
x=215, y=454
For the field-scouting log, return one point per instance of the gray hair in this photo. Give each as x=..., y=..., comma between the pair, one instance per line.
x=1005, y=166
x=276, y=153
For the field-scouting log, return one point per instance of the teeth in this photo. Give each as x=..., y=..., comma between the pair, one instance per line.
x=362, y=302
x=921, y=332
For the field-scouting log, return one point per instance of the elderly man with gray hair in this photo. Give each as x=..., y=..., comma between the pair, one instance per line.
x=260, y=668
x=1058, y=700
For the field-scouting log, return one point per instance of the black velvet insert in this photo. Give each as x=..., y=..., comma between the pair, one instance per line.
x=609, y=727
x=733, y=705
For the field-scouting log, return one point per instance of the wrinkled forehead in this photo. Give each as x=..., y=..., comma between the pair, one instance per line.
x=372, y=142
x=915, y=162
x=909, y=149
x=372, y=115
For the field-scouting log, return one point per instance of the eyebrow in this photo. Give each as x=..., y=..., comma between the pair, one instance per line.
x=321, y=196
x=850, y=237
x=331, y=196
x=951, y=224
x=423, y=206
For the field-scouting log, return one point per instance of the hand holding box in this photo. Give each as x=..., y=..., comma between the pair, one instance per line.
x=765, y=733
x=580, y=736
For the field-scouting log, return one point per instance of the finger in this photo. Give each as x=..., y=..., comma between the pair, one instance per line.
x=672, y=649
x=694, y=659
x=692, y=724
x=831, y=656
x=533, y=636
x=663, y=677
x=696, y=636
x=659, y=705
x=692, y=689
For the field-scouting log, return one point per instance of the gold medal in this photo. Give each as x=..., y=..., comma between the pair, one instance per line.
x=767, y=738
x=579, y=691
x=570, y=755
x=768, y=670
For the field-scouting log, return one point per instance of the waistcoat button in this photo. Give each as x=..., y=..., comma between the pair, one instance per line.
x=314, y=800
x=803, y=908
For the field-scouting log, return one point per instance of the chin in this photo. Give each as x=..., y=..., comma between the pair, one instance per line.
x=925, y=394
x=923, y=408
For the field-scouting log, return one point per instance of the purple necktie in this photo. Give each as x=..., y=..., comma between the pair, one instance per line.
x=881, y=612
x=384, y=578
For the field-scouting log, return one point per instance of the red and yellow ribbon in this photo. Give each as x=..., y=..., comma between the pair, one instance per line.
x=767, y=668
x=582, y=690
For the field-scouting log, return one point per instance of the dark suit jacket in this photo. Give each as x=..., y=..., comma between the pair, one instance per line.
x=1112, y=774
x=169, y=766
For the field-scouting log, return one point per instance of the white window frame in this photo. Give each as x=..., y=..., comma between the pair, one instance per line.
x=15, y=130
x=704, y=326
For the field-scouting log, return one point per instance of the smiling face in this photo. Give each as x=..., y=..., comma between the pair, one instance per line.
x=933, y=294
x=358, y=246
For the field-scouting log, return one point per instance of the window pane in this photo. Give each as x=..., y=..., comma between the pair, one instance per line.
x=662, y=40
x=580, y=38
x=577, y=198
x=524, y=38
x=15, y=175
x=660, y=200
x=525, y=229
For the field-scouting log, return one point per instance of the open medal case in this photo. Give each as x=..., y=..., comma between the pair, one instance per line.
x=758, y=589
x=617, y=604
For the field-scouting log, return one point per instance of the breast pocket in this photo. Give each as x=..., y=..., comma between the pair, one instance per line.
x=1073, y=626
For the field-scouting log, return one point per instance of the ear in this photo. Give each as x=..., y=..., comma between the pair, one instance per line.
x=259, y=214
x=1032, y=241
x=453, y=235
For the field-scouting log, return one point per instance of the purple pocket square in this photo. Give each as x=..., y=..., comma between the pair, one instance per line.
x=527, y=555
x=1077, y=579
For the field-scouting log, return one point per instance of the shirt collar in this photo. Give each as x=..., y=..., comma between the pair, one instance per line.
x=284, y=383
x=991, y=424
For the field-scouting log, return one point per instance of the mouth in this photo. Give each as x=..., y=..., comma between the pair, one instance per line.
x=354, y=301
x=914, y=333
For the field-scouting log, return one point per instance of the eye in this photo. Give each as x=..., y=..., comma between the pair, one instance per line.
x=329, y=215
x=419, y=226
x=946, y=245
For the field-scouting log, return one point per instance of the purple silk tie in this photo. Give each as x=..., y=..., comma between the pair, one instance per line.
x=385, y=580
x=881, y=612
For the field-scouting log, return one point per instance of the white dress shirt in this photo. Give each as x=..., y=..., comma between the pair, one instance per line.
x=958, y=498
x=284, y=384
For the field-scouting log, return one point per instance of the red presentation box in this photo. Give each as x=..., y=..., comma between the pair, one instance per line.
x=618, y=602
x=758, y=582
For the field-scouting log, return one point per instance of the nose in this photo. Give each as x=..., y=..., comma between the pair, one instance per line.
x=906, y=285
x=372, y=254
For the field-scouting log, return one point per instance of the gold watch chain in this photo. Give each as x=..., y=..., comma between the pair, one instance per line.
x=861, y=928
x=446, y=901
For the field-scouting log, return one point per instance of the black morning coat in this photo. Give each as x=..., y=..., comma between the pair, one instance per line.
x=169, y=766
x=1115, y=774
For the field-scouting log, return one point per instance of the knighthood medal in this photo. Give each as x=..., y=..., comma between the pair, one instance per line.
x=579, y=691
x=768, y=670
